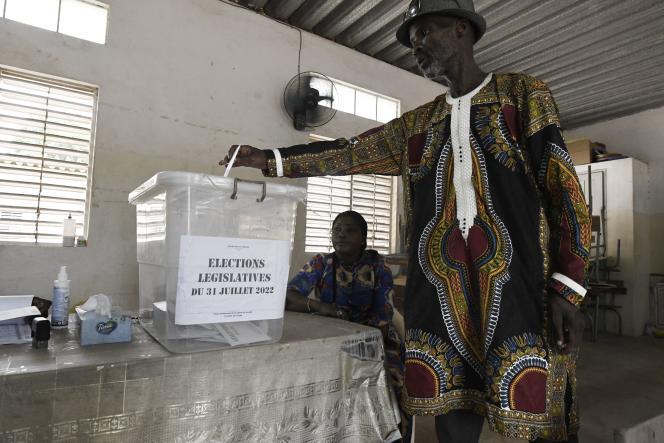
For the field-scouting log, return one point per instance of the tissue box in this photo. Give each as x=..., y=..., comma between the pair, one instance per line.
x=98, y=329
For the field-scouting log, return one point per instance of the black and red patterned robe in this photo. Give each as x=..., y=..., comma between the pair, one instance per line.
x=497, y=223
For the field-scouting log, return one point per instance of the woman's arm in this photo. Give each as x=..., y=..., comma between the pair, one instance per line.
x=302, y=284
x=297, y=303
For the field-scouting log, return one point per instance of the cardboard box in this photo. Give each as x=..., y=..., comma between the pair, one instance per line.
x=97, y=329
x=581, y=150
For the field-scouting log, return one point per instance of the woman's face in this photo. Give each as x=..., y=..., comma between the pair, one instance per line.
x=347, y=237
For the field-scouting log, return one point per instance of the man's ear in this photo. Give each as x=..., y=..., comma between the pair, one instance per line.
x=462, y=28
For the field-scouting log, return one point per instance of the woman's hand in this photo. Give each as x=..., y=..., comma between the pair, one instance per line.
x=329, y=309
x=248, y=156
x=326, y=309
x=295, y=302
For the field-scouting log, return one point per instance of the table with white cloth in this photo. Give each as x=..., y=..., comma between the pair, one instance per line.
x=323, y=382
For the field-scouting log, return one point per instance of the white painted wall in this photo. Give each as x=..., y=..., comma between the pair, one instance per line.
x=180, y=81
x=624, y=180
x=640, y=136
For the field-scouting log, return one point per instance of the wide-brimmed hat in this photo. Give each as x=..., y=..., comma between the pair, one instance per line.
x=456, y=8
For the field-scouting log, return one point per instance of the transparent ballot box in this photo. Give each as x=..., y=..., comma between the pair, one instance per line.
x=213, y=259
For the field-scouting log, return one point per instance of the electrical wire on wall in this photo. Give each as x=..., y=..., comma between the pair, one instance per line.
x=299, y=59
x=299, y=51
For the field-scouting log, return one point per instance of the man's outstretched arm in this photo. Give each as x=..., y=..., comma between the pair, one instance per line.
x=377, y=151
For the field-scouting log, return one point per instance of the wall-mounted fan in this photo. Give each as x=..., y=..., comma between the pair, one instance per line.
x=308, y=99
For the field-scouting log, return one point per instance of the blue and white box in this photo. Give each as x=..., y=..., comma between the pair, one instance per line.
x=99, y=329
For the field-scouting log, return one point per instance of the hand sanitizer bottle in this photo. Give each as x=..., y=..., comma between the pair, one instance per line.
x=60, y=308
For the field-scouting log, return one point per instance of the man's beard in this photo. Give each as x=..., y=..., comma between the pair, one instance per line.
x=434, y=66
x=433, y=71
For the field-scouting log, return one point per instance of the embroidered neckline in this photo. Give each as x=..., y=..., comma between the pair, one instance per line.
x=452, y=100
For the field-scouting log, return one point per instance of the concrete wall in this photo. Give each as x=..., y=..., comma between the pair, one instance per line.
x=640, y=136
x=179, y=81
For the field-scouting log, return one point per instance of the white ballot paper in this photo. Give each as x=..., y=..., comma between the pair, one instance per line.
x=13, y=328
x=242, y=333
x=15, y=301
x=15, y=334
x=222, y=279
x=17, y=314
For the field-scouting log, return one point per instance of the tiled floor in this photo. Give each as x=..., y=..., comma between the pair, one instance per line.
x=621, y=383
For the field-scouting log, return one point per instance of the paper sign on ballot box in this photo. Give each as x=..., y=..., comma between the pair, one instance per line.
x=223, y=279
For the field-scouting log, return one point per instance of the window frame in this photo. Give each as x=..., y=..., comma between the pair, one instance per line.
x=105, y=6
x=93, y=90
x=376, y=95
x=392, y=229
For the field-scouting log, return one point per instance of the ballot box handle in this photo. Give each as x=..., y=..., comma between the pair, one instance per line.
x=256, y=182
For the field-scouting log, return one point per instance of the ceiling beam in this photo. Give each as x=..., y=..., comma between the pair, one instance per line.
x=577, y=61
x=312, y=12
x=393, y=52
x=499, y=23
x=381, y=39
x=534, y=48
x=615, y=97
x=282, y=9
x=372, y=21
x=576, y=119
x=256, y=4
x=588, y=118
x=639, y=70
x=343, y=16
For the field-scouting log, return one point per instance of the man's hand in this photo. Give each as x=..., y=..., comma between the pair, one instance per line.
x=248, y=156
x=568, y=323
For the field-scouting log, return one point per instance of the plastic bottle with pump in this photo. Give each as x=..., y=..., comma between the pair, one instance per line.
x=60, y=308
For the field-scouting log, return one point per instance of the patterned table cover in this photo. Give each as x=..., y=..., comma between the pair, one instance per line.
x=323, y=382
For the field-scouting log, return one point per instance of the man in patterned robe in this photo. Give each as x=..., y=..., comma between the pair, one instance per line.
x=499, y=236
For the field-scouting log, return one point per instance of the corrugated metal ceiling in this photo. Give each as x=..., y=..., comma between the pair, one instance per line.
x=601, y=58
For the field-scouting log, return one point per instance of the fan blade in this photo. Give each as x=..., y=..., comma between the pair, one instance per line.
x=323, y=86
x=319, y=116
x=326, y=101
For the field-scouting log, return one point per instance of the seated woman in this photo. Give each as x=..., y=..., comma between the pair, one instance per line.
x=352, y=283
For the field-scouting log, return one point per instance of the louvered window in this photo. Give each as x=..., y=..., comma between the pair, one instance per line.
x=46, y=137
x=369, y=195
